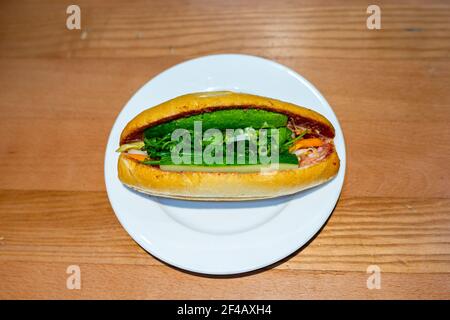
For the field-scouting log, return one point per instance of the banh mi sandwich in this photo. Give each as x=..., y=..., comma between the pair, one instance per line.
x=300, y=140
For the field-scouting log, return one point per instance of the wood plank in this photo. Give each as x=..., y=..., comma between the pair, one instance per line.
x=399, y=235
x=103, y=281
x=76, y=121
x=70, y=155
x=82, y=88
x=300, y=29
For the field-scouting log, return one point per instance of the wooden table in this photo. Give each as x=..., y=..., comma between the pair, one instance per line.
x=62, y=89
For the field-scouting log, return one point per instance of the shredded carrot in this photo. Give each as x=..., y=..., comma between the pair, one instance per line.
x=138, y=157
x=306, y=143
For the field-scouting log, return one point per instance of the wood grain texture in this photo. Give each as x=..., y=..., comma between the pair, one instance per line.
x=398, y=234
x=61, y=91
x=300, y=29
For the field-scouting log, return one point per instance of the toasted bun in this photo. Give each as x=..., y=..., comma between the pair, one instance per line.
x=195, y=103
x=221, y=186
x=215, y=186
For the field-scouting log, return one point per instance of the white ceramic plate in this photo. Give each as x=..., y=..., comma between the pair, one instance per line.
x=223, y=237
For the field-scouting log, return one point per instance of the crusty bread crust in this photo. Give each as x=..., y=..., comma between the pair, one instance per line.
x=202, y=101
x=216, y=186
x=221, y=186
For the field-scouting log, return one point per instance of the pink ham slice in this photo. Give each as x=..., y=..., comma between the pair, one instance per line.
x=312, y=156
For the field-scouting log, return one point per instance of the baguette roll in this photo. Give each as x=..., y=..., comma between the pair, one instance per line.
x=318, y=161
